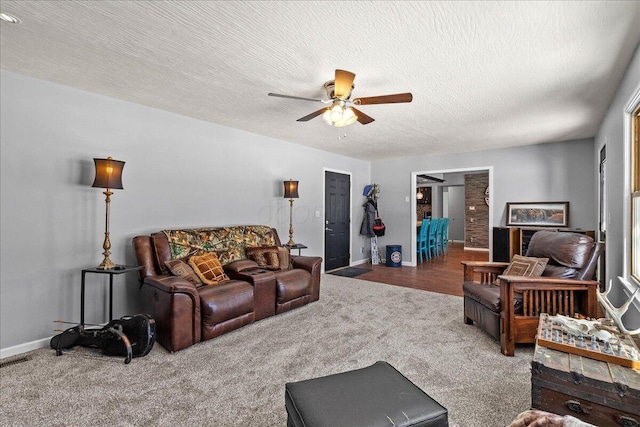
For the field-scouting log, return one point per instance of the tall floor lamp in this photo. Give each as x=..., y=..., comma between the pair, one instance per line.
x=290, y=192
x=108, y=176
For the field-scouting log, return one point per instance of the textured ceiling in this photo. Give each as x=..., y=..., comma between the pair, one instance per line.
x=483, y=74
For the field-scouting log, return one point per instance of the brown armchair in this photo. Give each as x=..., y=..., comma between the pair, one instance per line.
x=508, y=307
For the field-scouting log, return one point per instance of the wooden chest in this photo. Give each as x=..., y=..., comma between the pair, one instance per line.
x=600, y=393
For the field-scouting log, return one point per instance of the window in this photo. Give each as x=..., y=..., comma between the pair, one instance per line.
x=635, y=195
x=603, y=194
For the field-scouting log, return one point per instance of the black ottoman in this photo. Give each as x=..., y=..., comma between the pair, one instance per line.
x=375, y=396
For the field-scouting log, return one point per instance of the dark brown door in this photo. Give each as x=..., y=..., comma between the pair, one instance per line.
x=337, y=237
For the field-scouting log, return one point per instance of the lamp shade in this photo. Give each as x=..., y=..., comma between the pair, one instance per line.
x=291, y=189
x=108, y=173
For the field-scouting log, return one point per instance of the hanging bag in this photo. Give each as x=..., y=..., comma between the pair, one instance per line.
x=378, y=226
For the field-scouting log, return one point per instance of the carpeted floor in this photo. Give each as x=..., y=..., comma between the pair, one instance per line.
x=350, y=272
x=238, y=379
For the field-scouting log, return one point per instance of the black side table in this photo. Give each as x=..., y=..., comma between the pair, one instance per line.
x=298, y=246
x=118, y=269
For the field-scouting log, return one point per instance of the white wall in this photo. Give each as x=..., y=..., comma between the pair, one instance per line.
x=612, y=133
x=561, y=171
x=179, y=172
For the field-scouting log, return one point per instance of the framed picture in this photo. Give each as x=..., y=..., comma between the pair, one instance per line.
x=539, y=214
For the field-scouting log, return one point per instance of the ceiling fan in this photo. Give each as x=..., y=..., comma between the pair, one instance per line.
x=341, y=111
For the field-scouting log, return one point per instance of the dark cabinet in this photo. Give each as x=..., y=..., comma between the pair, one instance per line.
x=506, y=243
x=509, y=241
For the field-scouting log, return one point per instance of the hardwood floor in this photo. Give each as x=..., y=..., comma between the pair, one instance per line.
x=442, y=274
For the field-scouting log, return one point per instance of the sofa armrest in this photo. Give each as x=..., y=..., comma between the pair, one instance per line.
x=309, y=263
x=312, y=264
x=483, y=271
x=503, y=265
x=264, y=290
x=544, y=282
x=174, y=303
x=171, y=284
x=238, y=266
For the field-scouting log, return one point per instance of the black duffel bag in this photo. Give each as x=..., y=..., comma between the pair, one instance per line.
x=129, y=336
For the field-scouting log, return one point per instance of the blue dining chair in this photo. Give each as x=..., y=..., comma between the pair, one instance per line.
x=442, y=235
x=422, y=239
x=445, y=235
x=431, y=241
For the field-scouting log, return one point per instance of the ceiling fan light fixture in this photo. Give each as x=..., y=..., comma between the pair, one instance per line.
x=348, y=117
x=336, y=113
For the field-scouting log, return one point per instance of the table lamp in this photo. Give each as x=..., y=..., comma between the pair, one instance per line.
x=108, y=176
x=291, y=192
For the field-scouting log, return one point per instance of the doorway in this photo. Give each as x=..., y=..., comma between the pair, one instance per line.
x=337, y=218
x=438, y=197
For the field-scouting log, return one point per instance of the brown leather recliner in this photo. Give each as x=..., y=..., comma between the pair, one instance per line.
x=508, y=307
x=186, y=314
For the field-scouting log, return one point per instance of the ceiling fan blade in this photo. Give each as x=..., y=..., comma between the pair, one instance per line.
x=294, y=97
x=312, y=115
x=362, y=117
x=343, y=84
x=384, y=99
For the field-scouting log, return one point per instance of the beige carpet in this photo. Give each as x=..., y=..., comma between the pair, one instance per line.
x=238, y=379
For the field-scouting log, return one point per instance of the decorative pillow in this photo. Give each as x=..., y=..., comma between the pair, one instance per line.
x=264, y=256
x=208, y=268
x=182, y=269
x=526, y=266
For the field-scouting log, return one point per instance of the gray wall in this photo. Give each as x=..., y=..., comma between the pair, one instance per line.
x=179, y=172
x=456, y=213
x=612, y=133
x=185, y=172
x=561, y=171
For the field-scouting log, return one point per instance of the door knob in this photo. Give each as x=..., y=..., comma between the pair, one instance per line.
x=328, y=229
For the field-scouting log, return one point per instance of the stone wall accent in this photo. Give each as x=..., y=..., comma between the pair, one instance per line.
x=476, y=221
x=421, y=209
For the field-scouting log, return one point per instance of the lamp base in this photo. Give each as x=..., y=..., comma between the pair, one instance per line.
x=290, y=242
x=106, y=264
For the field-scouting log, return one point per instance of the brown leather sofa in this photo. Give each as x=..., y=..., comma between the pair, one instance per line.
x=186, y=313
x=508, y=307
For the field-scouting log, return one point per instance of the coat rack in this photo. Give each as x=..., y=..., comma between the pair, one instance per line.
x=373, y=193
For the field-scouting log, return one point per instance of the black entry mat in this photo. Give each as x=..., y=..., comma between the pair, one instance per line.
x=350, y=272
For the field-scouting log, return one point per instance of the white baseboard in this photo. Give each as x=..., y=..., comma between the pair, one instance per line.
x=476, y=249
x=24, y=348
